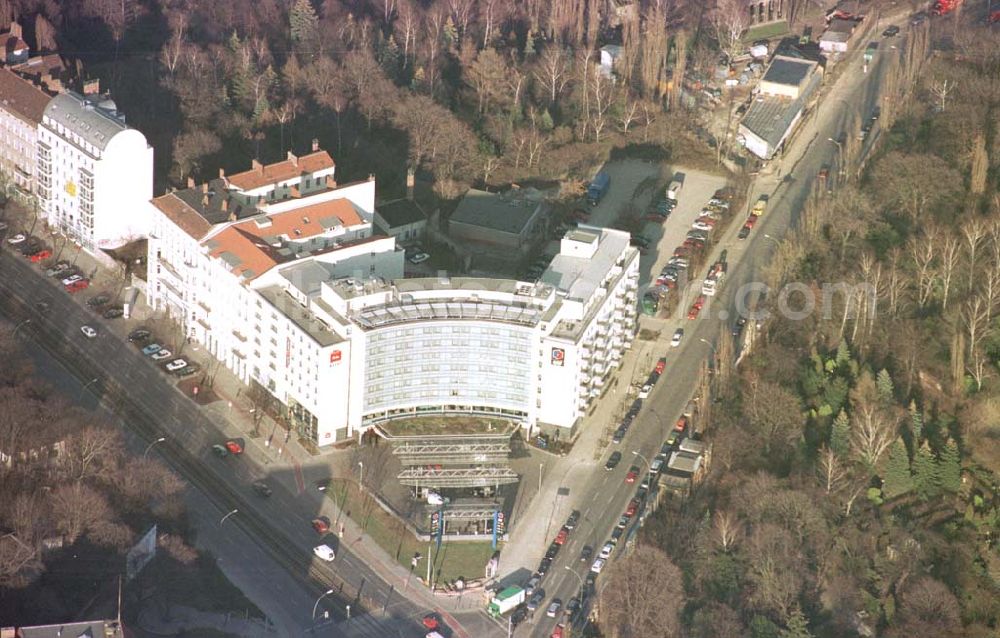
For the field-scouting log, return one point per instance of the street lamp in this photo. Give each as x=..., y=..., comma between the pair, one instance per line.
x=708, y=343
x=541, y=467
x=840, y=156
x=227, y=516
x=18, y=326
x=641, y=457
x=150, y=446
x=87, y=385
x=361, y=475
x=321, y=597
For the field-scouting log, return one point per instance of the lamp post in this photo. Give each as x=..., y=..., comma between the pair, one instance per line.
x=541, y=468
x=150, y=446
x=840, y=156
x=18, y=326
x=579, y=578
x=641, y=457
x=87, y=385
x=227, y=516
x=321, y=597
x=361, y=475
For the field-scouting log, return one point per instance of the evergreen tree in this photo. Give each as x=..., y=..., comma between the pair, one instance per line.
x=843, y=354
x=896, y=478
x=840, y=435
x=950, y=467
x=835, y=393
x=304, y=26
x=884, y=384
x=449, y=33
x=389, y=56
x=797, y=626
x=529, y=45
x=546, y=122
x=926, y=473
x=916, y=425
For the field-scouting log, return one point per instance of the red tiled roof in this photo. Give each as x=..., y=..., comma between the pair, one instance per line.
x=245, y=240
x=187, y=218
x=21, y=97
x=281, y=171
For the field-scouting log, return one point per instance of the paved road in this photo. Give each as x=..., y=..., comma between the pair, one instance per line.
x=605, y=493
x=282, y=520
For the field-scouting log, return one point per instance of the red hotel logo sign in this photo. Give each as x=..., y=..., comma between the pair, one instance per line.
x=558, y=356
x=335, y=356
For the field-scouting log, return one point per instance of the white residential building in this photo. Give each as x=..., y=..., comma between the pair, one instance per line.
x=21, y=112
x=95, y=174
x=299, y=297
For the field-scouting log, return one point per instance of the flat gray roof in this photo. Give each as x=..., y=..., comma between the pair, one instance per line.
x=579, y=277
x=401, y=212
x=300, y=316
x=502, y=212
x=788, y=71
x=769, y=117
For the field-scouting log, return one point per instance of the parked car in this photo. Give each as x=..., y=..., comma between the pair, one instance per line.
x=745, y=231
x=262, y=488
x=891, y=31
x=113, y=313
x=235, y=446
x=586, y=553
x=633, y=507
x=536, y=599
x=97, y=301
x=554, y=607
x=633, y=473
x=162, y=354
x=151, y=349
x=40, y=256
x=325, y=552
x=533, y=583
x=574, y=518
x=661, y=365
x=676, y=339
x=562, y=536
x=175, y=365
x=220, y=451
x=71, y=279
x=598, y=565
x=613, y=460
x=17, y=239
x=606, y=550
x=419, y=258
x=645, y=390
x=89, y=332
x=77, y=286
x=192, y=368
x=139, y=335
x=321, y=524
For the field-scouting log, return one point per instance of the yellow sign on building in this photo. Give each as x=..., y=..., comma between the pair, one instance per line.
x=71, y=189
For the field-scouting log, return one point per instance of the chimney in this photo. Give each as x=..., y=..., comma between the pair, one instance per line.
x=371, y=177
x=92, y=87
x=204, y=187
x=409, y=183
x=232, y=216
x=294, y=160
x=315, y=145
x=190, y=182
x=256, y=166
x=330, y=182
x=15, y=30
x=204, y=201
x=222, y=173
x=225, y=205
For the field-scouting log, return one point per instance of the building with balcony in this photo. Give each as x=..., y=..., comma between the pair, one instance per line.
x=298, y=296
x=21, y=110
x=95, y=174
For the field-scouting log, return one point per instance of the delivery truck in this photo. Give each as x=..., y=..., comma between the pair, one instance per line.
x=598, y=187
x=506, y=601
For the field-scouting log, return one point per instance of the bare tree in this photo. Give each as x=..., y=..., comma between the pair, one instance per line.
x=729, y=19
x=644, y=595
x=974, y=232
x=19, y=562
x=872, y=430
x=628, y=114
x=553, y=72
x=76, y=508
x=91, y=452
x=830, y=470
x=727, y=530
x=950, y=256
x=975, y=316
x=923, y=251
x=941, y=90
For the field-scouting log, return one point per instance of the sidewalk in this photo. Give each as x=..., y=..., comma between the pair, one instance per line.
x=182, y=619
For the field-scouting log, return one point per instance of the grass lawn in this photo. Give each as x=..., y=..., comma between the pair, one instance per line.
x=455, y=559
x=765, y=31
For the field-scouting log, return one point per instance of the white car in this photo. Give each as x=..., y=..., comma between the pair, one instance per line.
x=162, y=354
x=176, y=364
x=606, y=550
x=419, y=258
x=678, y=335
x=644, y=392
x=324, y=552
x=598, y=565
x=71, y=280
x=17, y=239
x=88, y=331
x=702, y=226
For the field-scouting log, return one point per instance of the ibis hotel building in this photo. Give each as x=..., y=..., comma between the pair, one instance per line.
x=296, y=294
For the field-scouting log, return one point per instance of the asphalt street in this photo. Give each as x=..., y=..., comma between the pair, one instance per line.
x=606, y=493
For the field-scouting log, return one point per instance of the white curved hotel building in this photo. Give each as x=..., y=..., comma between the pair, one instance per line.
x=300, y=297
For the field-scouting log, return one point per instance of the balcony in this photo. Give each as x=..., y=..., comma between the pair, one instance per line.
x=204, y=306
x=239, y=336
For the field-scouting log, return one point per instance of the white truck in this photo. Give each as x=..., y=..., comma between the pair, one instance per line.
x=716, y=273
x=506, y=600
x=675, y=186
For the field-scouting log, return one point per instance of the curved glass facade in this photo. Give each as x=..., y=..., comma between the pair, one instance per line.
x=453, y=365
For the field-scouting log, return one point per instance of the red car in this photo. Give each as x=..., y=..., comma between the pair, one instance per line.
x=235, y=446
x=661, y=365
x=751, y=220
x=633, y=473
x=682, y=424
x=633, y=507
x=431, y=622
x=78, y=285
x=321, y=525
x=694, y=311
x=45, y=253
x=557, y=632
x=561, y=536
